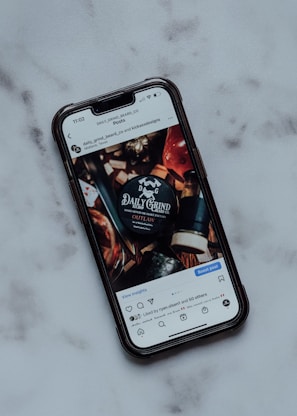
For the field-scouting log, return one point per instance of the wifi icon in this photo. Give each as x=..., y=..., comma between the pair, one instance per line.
x=148, y=96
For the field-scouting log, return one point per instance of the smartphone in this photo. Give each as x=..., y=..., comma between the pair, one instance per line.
x=142, y=194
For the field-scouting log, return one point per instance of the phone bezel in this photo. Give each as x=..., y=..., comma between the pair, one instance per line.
x=199, y=166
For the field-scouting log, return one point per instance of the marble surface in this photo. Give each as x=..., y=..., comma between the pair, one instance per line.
x=235, y=63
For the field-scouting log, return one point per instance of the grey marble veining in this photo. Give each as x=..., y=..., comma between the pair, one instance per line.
x=235, y=64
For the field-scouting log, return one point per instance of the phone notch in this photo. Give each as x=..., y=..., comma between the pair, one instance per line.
x=113, y=102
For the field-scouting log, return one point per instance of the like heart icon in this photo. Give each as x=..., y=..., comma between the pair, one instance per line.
x=128, y=308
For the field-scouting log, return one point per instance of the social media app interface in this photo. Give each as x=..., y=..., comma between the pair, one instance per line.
x=150, y=219
x=179, y=304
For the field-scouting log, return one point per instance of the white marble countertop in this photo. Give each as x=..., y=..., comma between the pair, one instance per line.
x=235, y=63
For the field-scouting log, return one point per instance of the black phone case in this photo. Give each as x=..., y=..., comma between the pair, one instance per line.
x=85, y=219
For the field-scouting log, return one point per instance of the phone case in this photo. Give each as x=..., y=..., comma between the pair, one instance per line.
x=123, y=224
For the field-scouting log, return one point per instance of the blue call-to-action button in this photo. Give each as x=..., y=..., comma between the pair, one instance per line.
x=208, y=268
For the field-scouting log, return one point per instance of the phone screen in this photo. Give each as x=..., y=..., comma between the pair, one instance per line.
x=150, y=219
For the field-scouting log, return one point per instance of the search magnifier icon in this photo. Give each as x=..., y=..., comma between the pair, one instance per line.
x=161, y=324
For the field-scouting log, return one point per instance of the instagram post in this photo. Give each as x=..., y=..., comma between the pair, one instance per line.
x=147, y=209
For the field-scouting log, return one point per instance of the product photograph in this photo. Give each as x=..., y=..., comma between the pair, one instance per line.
x=148, y=211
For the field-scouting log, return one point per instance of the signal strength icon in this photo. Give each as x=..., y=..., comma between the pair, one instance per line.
x=151, y=301
x=148, y=96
